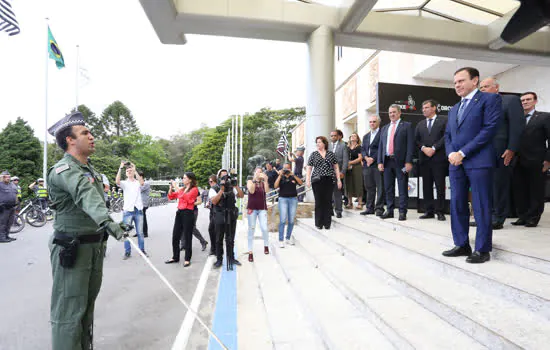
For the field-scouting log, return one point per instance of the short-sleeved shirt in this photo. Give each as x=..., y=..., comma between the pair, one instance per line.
x=287, y=187
x=132, y=195
x=322, y=166
x=271, y=177
x=145, y=191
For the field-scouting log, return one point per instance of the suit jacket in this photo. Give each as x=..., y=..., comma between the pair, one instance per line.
x=533, y=148
x=369, y=149
x=512, y=123
x=403, y=143
x=435, y=138
x=342, y=155
x=474, y=134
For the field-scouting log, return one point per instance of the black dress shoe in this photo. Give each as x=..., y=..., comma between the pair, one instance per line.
x=473, y=224
x=367, y=212
x=427, y=216
x=478, y=258
x=319, y=227
x=519, y=222
x=236, y=262
x=218, y=264
x=458, y=251
x=527, y=224
x=327, y=227
x=171, y=261
x=339, y=215
x=387, y=215
x=441, y=217
x=204, y=244
x=498, y=225
x=402, y=216
x=5, y=240
x=15, y=239
x=379, y=213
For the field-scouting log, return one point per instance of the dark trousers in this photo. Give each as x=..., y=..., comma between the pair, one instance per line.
x=391, y=172
x=374, y=185
x=322, y=191
x=6, y=220
x=227, y=231
x=337, y=197
x=145, y=227
x=529, y=192
x=481, y=182
x=433, y=172
x=501, y=191
x=212, y=233
x=196, y=231
x=183, y=225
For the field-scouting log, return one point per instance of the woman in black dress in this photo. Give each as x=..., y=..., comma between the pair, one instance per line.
x=354, y=175
x=324, y=176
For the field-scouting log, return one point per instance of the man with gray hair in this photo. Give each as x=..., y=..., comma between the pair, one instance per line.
x=372, y=178
x=395, y=154
x=506, y=144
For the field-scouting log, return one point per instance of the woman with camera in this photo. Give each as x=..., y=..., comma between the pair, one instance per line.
x=325, y=173
x=257, y=208
x=288, y=203
x=185, y=219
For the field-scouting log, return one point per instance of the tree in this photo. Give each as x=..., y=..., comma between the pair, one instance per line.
x=92, y=121
x=21, y=152
x=116, y=120
x=206, y=156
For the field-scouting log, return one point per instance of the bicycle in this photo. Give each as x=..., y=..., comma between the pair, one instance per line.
x=18, y=224
x=33, y=213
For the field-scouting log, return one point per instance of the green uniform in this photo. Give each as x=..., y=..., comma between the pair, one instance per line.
x=76, y=191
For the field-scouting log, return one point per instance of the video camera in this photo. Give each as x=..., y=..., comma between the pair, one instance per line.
x=228, y=182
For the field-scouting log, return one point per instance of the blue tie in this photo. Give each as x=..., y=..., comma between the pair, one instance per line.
x=461, y=110
x=430, y=125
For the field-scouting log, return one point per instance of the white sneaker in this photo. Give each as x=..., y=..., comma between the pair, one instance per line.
x=291, y=241
x=281, y=244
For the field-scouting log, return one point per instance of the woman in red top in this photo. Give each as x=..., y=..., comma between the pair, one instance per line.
x=185, y=220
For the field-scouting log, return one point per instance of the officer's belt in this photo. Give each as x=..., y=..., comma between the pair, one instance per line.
x=83, y=239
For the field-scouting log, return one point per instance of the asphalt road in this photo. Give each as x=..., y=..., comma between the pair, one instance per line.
x=134, y=310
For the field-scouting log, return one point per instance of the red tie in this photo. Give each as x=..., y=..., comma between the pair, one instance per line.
x=392, y=136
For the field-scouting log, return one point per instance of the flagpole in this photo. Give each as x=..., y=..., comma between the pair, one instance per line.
x=45, y=160
x=241, y=154
x=76, y=75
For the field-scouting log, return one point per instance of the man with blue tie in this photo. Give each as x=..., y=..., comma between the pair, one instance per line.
x=395, y=153
x=471, y=127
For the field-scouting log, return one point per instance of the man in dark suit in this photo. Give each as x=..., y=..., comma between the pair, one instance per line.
x=395, y=153
x=432, y=160
x=506, y=143
x=533, y=163
x=372, y=178
x=471, y=127
x=340, y=149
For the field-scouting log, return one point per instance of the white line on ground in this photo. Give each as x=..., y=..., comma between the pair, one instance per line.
x=185, y=330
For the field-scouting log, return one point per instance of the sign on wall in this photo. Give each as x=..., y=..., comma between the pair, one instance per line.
x=410, y=98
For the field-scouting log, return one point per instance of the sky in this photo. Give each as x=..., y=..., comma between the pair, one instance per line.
x=170, y=89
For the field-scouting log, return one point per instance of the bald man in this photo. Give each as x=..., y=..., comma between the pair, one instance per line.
x=506, y=144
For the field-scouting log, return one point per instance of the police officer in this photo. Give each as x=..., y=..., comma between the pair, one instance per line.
x=225, y=218
x=15, y=181
x=41, y=192
x=81, y=228
x=8, y=202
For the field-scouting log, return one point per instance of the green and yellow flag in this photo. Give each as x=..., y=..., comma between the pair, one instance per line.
x=55, y=52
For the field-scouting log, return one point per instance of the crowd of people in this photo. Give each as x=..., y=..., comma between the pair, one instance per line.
x=494, y=147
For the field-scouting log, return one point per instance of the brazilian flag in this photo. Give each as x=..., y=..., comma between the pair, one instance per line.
x=55, y=52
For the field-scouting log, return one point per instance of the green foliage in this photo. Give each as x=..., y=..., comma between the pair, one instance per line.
x=21, y=153
x=116, y=120
x=206, y=156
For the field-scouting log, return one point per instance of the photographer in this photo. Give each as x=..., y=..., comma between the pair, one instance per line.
x=213, y=182
x=225, y=216
x=257, y=208
x=133, y=206
x=288, y=203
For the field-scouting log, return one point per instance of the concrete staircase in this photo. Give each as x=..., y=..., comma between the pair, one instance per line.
x=373, y=284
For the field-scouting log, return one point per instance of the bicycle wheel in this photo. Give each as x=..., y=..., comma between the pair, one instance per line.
x=35, y=217
x=18, y=224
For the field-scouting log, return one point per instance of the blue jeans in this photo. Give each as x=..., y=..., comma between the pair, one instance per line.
x=287, y=211
x=262, y=218
x=135, y=216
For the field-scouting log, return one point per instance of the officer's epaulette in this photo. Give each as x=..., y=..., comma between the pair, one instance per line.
x=62, y=168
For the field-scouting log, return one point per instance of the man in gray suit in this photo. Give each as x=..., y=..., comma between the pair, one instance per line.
x=506, y=144
x=340, y=149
